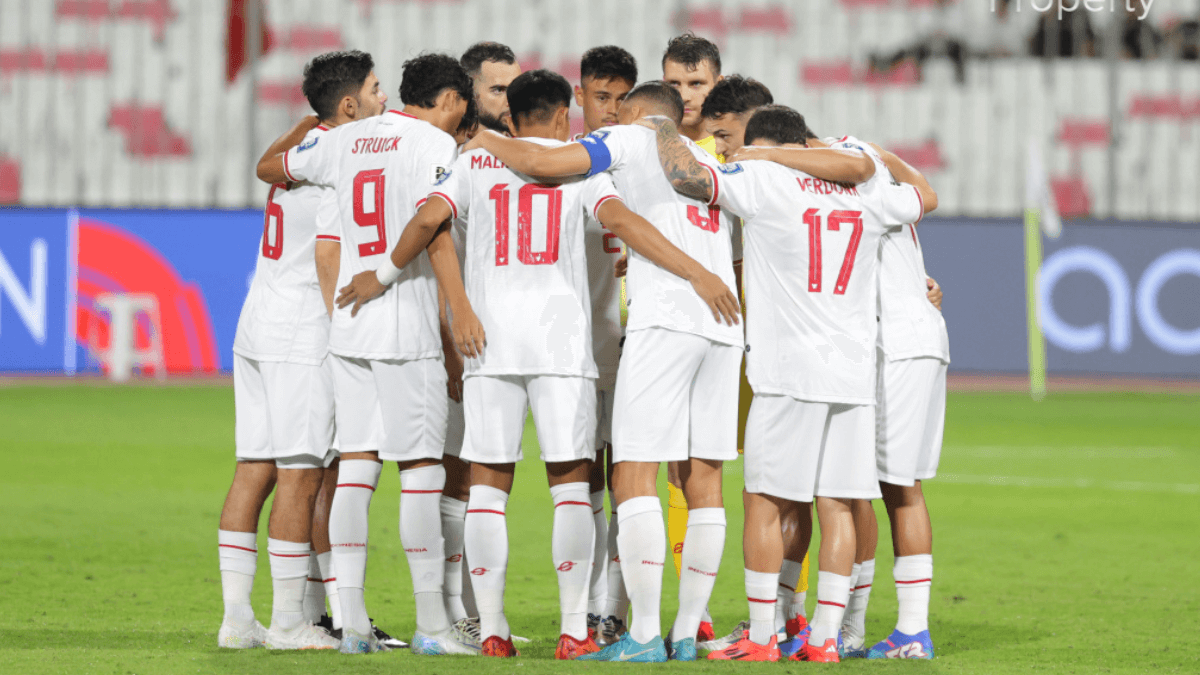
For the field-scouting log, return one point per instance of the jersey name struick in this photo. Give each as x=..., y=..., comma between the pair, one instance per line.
x=364, y=145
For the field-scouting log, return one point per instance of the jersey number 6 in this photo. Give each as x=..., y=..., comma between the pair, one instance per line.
x=525, y=253
x=275, y=251
x=835, y=220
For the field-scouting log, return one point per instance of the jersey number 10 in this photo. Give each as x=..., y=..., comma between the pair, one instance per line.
x=525, y=253
x=835, y=221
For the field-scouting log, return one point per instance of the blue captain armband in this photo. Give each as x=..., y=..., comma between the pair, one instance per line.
x=598, y=151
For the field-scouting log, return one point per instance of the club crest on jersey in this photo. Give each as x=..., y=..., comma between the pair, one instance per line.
x=730, y=169
x=597, y=136
x=308, y=144
x=441, y=178
x=438, y=173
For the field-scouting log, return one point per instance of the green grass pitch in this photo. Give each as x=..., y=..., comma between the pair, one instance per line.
x=1067, y=539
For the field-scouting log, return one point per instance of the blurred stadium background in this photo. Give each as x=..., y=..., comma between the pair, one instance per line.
x=132, y=126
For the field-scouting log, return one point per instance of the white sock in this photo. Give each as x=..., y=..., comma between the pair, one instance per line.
x=617, y=603
x=598, y=589
x=833, y=592
x=785, y=593
x=760, y=589
x=702, y=548
x=348, y=517
x=571, y=550
x=314, y=591
x=237, y=553
x=914, y=576
x=289, y=577
x=468, y=586
x=329, y=578
x=454, y=515
x=486, y=535
x=421, y=536
x=642, y=542
x=798, y=604
x=854, y=624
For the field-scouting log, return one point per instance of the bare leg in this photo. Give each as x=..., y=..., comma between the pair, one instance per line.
x=912, y=531
x=252, y=484
x=866, y=529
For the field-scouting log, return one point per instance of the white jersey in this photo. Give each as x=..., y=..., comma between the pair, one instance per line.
x=526, y=269
x=656, y=297
x=381, y=167
x=812, y=272
x=909, y=325
x=283, y=318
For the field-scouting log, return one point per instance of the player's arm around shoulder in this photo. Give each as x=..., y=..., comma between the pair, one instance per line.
x=532, y=159
x=832, y=164
x=687, y=175
x=271, y=168
x=904, y=172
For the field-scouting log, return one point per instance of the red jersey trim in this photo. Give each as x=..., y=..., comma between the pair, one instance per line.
x=329, y=237
x=322, y=127
x=596, y=211
x=286, y=172
x=453, y=206
x=716, y=191
x=922, y=203
x=402, y=114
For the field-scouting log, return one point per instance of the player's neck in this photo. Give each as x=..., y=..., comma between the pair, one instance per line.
x=538, y=131
x=336, y=121
x=816, y=143
x=424, y=114
x=695, y=132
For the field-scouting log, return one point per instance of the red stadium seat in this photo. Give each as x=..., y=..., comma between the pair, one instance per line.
x=146, y=132
x=1072, y=196
x=1079, y=132
x=10, y=180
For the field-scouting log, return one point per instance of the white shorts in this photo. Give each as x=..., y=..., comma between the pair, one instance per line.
x=564, y=412
x=605, y=397
x=798, y=450
x=393, y=407
x=677, y=397
x=283, y=412
x=455, y=429
x=910, y=419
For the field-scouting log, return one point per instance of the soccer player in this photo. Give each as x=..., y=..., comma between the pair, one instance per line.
x=913, y=354
x=813, y=369
x=389, y=378
x=283, y=391
x=606, y=76
x=678, y=368
x=492, y=67
x=692, y=66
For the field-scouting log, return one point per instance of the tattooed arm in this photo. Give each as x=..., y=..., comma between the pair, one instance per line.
x=688, y=176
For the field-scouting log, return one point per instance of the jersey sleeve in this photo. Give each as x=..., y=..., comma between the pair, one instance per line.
x=454, y=186
x=327, y=217
x=597, y=190
x=608, y=148
x=312, y=160
x=901, y=204
x=734, y=188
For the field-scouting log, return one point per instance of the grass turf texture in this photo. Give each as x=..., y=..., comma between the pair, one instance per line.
x=111, y=498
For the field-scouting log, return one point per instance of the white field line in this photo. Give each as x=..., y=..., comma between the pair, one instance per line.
x=1082, y=483
x=1056, y=452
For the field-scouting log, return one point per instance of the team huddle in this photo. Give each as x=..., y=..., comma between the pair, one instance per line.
x=429, y=274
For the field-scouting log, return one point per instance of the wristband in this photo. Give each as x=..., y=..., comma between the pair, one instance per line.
x=387, y=273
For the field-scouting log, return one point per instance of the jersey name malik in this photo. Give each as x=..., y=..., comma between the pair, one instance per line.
x=486, y=162
x=366, y=146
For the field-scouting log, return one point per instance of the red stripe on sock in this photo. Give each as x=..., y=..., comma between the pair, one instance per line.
x=859, y=588
x=765, y=602
x=325, y=581
x=914, y=581
x=788, y=587
x=315, y=580
x=420, y=492
x=587, y=504
x=499, y=513
x=359, y=485
x=835, y=604
x=287, y=555
x=240, y=548
x=599, y=510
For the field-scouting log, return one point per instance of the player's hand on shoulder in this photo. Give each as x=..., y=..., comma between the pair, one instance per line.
x=653, y=122
x=363, y=288
x=468, y=333
x=621, y=266
x=934, y=292
x=746, y=153
x=723, y=303
x=477, y=141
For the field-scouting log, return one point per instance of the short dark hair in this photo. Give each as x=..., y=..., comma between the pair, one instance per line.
x=329, y=78
x=778, y=124
x=481, y=52
x=608, y=61
x=691, y=50
x=425, y=77
x=662, y=96
x=735, y=94
x=470, y=118
x=537, y=95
